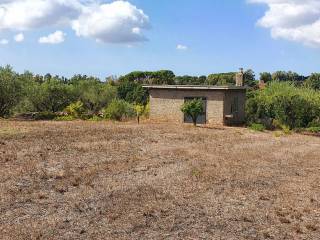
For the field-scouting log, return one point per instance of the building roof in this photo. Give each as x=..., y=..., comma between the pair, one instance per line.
x=193, y=87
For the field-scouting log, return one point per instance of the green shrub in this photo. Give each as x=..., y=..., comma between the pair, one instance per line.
x=44, y=116
x=139, y=109
x=75, y=110
x=119, y=110
x=289, y=105
x=95, y=118
x=65, y=118
x=146, y=112
x=257, y=127
x=313, y=129
x=315, y=123
x=286, y=129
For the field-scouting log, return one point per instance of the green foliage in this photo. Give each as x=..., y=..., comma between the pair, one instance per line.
x=146, y=112
x=193, y=108
x=65, y=118
x=221, y=79
x=75, y=110
x=313, y=81
x=286, y=129
x=159, y=77
x=266, y=77
x=315, y=122
x=95, y=118
x=190, y=80
x=44, y=116
x=52, y=95
x=94, y=94
x=139, y=109
x=132, y=92
x=282, y=76
x=313, y=129
x=249, y=78
x=10, y=90
x=257, y=127
x=119, y=110
x=289, y=105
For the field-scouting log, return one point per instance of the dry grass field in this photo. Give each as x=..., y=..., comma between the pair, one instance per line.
x=99, y=180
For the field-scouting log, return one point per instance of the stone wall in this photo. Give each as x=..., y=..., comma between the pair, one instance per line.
x=165, y=104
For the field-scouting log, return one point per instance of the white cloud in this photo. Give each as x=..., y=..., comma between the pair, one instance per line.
x=182, y=47
x=115, y=22
x=4, y=41
x=53, y=38
x=19, y=37
x=30, y=14
x=294, y=20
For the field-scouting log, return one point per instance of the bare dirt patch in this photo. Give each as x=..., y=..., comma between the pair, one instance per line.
x=84, y=180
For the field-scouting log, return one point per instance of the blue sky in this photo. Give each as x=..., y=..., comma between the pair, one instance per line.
x=215, y=36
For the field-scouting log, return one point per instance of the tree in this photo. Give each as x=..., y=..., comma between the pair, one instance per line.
x=249, y=78
x=313, y=81
x=265, y=77
x=202, y=80
x=193, y=109
x=118, y=110
x=10, y=90
x=157, y=77
x=132, y=92
x=93, y=93
x=53, y=96
x=280, y=76
x=221, y=79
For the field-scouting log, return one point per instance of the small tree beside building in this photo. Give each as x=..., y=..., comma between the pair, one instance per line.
x=193, y=109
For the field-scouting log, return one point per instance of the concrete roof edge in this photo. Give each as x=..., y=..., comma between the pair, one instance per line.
x=193, y=87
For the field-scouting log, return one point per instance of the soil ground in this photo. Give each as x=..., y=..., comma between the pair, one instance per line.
x=100, y=180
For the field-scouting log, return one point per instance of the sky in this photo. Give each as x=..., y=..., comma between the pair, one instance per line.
x=189, y=37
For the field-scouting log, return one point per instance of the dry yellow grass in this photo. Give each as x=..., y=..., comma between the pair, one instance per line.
x=86, y=180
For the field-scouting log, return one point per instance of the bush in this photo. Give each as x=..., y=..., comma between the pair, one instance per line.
x=44, y=116
x=146, y=112
x=75, y=110
x=314, y=123
x=257, y=127
x=94, y=94
x=276, y=124
x=95, y=118
x=65, y=118
x=313, y=129
x=290, y=106
x=119, y=110
x=139, y=109
x=53, y=95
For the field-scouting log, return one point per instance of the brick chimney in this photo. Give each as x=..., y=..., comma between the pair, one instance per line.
x=239, y=78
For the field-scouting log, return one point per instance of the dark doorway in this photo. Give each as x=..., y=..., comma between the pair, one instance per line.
x=202, y=119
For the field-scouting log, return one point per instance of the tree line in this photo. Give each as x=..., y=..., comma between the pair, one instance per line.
x=117, y=98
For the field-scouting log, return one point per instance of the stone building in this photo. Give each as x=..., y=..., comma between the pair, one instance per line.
x=222, y=104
